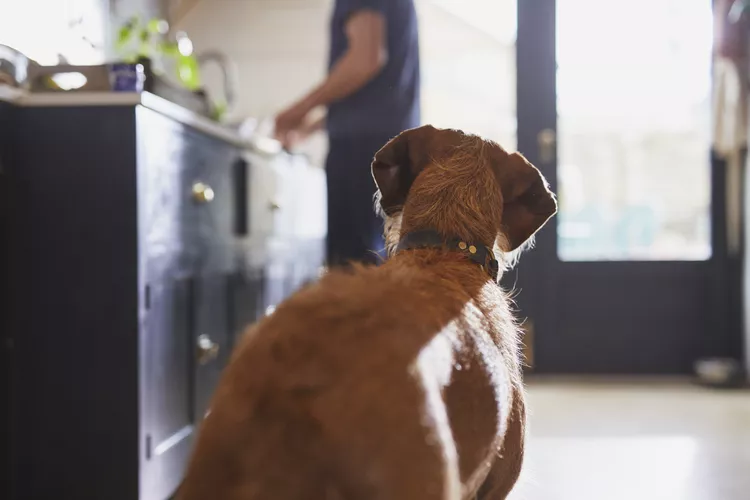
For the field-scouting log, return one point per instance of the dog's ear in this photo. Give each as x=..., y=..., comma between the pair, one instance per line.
x=398, y=163
x=527, y=201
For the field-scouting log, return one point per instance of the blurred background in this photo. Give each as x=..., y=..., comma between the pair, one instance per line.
x=149, y=216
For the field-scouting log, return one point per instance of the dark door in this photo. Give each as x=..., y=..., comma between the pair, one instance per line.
x=613, y=103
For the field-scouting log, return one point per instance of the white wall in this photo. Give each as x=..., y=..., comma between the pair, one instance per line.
x=281, y=47
x=469, y=66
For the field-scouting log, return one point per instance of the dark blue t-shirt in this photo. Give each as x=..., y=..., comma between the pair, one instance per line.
x=389, y=103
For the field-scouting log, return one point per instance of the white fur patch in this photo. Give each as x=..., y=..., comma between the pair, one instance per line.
x=433, y=368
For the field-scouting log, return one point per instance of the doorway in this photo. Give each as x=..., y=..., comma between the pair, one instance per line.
x=613, y=105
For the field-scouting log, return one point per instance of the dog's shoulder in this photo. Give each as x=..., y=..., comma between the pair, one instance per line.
x=366, y=316
x=362, y=309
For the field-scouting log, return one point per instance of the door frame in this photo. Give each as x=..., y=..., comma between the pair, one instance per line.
x=540, y=275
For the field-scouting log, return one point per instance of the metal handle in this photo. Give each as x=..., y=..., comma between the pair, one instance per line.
x=203, y=193
x=208, y=350
x=546, y=140
x=274, y=205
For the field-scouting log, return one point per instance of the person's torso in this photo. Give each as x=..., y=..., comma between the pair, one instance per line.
x=389, y=103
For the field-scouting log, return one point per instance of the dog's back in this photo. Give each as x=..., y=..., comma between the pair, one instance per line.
x=300, y=412
x=400, y=382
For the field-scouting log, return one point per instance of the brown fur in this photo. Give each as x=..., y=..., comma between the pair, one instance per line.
x=398, y=382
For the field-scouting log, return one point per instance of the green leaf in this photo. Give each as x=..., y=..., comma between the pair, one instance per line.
x=123, y=35
x=188, y=72
x=219, y=110
x=169, y=49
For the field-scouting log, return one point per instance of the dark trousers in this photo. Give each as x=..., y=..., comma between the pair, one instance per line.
x=355, y=232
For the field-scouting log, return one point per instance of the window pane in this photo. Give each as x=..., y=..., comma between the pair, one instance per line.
x=76, y=29
x=633, y=103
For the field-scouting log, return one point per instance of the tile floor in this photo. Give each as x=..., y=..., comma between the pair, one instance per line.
x=636, y=441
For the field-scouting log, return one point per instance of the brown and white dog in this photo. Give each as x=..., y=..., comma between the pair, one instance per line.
x=397, y=382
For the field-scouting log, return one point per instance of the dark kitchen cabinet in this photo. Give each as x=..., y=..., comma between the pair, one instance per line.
x=126, y=285
x=6, y=141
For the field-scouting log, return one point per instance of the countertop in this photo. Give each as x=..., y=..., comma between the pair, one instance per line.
x=160, y=105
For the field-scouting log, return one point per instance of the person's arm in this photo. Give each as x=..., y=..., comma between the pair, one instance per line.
x=363, y=60
x=366, y=55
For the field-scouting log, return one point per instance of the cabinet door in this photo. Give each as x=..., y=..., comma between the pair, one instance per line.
x=246, y=300
x=168, y=412
x=211, y=339
x=276, y=282
x=210, y=217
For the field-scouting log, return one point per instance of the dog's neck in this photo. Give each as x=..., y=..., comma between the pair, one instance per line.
x=475, y=252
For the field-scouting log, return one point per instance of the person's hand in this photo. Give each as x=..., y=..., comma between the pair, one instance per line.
x=289, y=122
x=293, y=139
x=302, y=133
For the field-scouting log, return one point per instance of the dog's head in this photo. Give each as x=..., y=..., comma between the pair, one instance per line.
x=459, y=185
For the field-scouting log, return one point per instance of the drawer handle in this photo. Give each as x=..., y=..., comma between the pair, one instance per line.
x=208, y=350
x=274, y=205
x=203, y=193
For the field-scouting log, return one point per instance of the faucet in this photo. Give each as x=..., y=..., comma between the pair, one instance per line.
x=228, y=70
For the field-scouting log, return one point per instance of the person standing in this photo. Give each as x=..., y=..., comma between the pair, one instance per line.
x=372, y=93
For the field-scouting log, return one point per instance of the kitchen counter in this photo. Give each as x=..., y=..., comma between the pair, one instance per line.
x=201, y=237
x=145, y=99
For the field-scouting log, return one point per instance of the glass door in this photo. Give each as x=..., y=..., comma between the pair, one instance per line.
x=633, y=106
x=614, y=107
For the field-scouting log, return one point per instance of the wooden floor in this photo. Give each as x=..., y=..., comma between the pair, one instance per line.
x=636, y=441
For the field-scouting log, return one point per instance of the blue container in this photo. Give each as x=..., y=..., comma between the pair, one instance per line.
x=127, y=77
